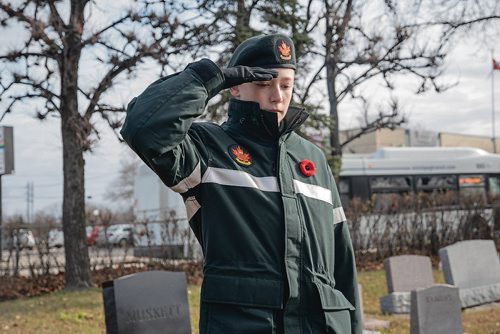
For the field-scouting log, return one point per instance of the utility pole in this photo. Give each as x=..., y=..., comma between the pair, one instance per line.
x=32, y=216
x=27, y=202
x=30, y=202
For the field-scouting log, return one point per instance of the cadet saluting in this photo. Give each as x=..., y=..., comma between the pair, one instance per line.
x=260, y=199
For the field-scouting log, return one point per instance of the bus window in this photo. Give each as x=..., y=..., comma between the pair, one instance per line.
x=344, y=191
x=387, y=189
x=429, y=183
x=359, y=187
x=390, y=184
x=343, y=186
x=472, y=185
x=494, y=185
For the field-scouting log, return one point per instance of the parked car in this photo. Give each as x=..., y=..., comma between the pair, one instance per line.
x=56, y=238
x=22, y=238
x=116, y=235
x=92, y=233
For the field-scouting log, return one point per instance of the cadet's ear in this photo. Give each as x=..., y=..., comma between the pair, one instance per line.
x=235, y=91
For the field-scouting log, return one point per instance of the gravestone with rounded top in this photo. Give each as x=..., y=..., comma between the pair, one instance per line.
x=147, y=302
x=473, y=266
x=403, y=274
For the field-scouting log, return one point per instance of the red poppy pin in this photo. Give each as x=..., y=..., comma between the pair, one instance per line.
x=240, y=155
x=307, y=167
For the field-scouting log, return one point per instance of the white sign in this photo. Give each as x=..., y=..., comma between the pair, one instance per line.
x=2, y=152
x=6, y=150
x=2, y=161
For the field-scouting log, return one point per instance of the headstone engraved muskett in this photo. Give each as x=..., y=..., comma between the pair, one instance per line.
x=404, y=273
x=473, y=266
x=152, y=313
x=436, y=310
x=148, y=302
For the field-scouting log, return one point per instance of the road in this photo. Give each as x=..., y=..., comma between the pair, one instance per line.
x=99, y=258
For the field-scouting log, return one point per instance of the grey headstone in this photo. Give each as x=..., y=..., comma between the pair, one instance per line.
x=403, y=274
x=147, y=302
x=408, y=272
x=436, y=310
x=470, y=264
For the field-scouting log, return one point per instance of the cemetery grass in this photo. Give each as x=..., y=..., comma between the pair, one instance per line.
x=82, y=311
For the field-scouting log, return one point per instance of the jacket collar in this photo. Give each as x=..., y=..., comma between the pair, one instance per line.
x=249, y=117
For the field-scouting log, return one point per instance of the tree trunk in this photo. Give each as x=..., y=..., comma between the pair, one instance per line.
x=77, y=268
x=335, y=32
x=331, y=76
x=333, y=102
x=242, y=29
x=74, y=137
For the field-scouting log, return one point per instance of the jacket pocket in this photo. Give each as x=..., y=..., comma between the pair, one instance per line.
x=242, y=291
x=226, y=318
x=336, y=308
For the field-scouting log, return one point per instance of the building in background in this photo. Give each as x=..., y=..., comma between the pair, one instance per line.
x=401, y=137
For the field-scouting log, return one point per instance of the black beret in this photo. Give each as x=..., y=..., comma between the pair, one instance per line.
x=266, y=51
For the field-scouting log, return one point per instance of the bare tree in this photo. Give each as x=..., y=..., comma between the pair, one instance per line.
x=359, y=41
x=47, y=67
x=355, y=49
x=121, y=189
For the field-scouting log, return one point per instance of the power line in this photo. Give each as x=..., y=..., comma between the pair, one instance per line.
x=38, y=185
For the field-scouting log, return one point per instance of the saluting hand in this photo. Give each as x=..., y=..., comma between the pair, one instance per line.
x=238, y=75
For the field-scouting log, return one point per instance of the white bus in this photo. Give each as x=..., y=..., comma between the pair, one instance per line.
x=404, y=170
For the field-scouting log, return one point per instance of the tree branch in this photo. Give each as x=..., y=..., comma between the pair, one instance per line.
x=95, y=36
x=15, y=55
x=383, y=121
x=107, y=80
x=56, y=20
x=23, y=97
x=311, y=83
x=455, y=24
x=37, y=26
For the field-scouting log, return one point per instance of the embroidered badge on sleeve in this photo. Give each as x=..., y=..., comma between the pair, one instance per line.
x=240, y=155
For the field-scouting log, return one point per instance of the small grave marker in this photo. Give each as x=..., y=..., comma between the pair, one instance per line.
x=147, y=302
x=436, y=310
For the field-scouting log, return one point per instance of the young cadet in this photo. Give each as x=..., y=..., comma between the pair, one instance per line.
x=260, y=199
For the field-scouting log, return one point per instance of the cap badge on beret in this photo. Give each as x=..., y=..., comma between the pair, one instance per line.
x=284, y=50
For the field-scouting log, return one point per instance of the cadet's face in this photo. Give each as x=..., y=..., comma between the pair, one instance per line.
x=273, y=96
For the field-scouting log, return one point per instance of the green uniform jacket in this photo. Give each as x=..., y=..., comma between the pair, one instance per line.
x=272, y=237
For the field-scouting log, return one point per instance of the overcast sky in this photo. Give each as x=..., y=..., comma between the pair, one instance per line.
x=465, y=108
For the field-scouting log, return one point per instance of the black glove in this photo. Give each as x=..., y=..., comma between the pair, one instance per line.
x=237, y=75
